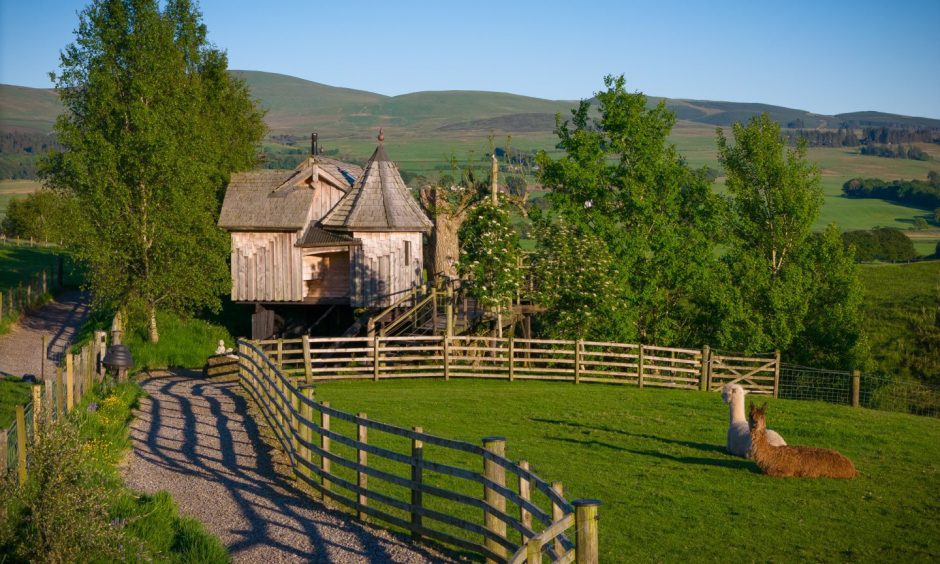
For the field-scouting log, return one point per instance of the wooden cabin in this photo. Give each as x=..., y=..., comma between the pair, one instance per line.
x=326, y=232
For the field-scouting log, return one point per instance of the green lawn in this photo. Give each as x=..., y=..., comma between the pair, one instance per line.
x=897, y=297
x=655, y=459
x=13, y=392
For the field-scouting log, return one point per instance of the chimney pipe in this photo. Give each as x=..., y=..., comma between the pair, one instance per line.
x=314, y=149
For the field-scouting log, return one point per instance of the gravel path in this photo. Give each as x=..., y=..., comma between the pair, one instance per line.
x=21, y=349
x=193, y=438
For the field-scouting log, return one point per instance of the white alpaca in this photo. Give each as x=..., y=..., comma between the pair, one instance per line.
x=739, y=433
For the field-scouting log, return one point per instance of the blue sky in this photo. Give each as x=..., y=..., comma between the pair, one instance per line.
x=822, y=56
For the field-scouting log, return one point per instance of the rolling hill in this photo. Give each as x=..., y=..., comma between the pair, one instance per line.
x=297, y=106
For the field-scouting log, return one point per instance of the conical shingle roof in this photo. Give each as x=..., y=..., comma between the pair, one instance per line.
x=378, y=201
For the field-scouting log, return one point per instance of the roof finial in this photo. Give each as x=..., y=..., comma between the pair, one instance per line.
x=381, y=137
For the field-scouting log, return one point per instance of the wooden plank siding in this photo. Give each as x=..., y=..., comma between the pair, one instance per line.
x=379, y=272
x=266, y=267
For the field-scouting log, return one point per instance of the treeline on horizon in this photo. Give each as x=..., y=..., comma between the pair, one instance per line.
x=870, y=136
x=18, y=152
x=923, y=194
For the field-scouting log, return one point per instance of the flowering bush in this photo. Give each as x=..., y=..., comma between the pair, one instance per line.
x=490, y=256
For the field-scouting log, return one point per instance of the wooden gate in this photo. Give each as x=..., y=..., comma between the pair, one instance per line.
x=756, y=375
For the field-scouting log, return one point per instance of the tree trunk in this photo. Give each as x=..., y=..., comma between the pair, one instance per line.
x=446, y=246
x=153, y=334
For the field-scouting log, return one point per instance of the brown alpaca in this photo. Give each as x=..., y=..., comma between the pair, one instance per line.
x=794, y=461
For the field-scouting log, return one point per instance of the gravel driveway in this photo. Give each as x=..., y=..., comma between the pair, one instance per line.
x=193, y=438
x=21, y=349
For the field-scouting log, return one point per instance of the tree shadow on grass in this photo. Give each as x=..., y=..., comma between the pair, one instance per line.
x=737, y=464
x=704, y=447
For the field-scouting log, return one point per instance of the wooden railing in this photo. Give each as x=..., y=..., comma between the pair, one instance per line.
x=427, y=485
x=319, y=359
x=50, y=402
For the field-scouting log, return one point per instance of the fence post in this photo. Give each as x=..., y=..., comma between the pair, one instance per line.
x=21, y=443
x=449, y=312
x=295, y=426
x=279, y=352
x=777, y=373
x=496, y=474
x=558, y=513
x=585, y=519
x=525, y=492
x=101, y=346
x=417, y=501
x=37, y=412
x=308, y=369
x=512, y=354
x=856, y=388
x=375, y=358
x=639, y=365
x=325, y=446
x=306, y=432
x=434, y=311
x=69, y=382
x=59, y=394
x=577, y=361
x=44, y=287
x=446, y=357
x=703, y=369
x=42, y=359
x=3, y=452
x=362, y=457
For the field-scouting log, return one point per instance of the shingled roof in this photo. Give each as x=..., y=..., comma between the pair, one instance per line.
x=270, y=200
x=378, y=201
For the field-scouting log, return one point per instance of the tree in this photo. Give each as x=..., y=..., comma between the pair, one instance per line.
x=42, y=215
x=786, y=288
x=621, y=181
x=153, y=126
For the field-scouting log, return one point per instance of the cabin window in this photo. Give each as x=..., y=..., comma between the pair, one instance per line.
x=407, y=252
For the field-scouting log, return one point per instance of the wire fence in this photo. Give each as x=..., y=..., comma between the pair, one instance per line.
x=875, y=391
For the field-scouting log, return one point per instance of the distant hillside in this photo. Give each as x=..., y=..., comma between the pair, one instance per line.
x=297, y=106
x=28, y=110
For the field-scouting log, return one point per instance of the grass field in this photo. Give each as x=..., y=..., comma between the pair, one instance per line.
x=13, y=392
x=655, y=458
x=13, y=189
x=897, y=298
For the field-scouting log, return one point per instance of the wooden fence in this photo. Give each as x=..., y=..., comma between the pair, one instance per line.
x=21, y=298
x=376, y=358
x=51, y=401
x=464, y=495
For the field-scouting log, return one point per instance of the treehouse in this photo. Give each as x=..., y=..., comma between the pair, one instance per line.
x=326, y=232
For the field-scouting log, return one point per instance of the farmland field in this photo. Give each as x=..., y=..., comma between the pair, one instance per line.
x=655, y=459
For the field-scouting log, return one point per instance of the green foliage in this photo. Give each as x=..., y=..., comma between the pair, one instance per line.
x=74, y=508
x=42, y=216
x=883, y=243
x=490, y=255
x=917, y=193
x=621, y=181
x=574, y=275
x=786, y=289
x=153, y=127
x=656, y=460
x=184, y=342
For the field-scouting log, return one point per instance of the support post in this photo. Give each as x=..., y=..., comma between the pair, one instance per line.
x=557, y=514
x=417, y=476
x=306, y=411
x=21, y=443
x=777, y=373
x=434, y=330
x=42, y=359
x=703, y=369
x=375, y=358
x=446, y=357
x=449, y=313
x=496, y=474
x=585, y=519
x=577, y=361
x=525, y=492
x=280, y=354
x=59, y=394
x=512, y=354
x=37, y=412
x=856, y=388
x=100, y=350
x=362, y=479
x=639, y=366
x=295, y=426
x=325, y=446
x=69, y=382
x=308, y=369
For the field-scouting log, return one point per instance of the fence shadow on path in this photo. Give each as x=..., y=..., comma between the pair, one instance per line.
x=199, y=434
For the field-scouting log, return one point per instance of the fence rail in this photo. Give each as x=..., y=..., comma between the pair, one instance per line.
x=50, y=402
x=427, y=485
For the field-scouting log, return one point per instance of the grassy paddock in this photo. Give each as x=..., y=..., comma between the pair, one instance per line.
x=13, y=392
x=670, y=493
x=184, y=342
